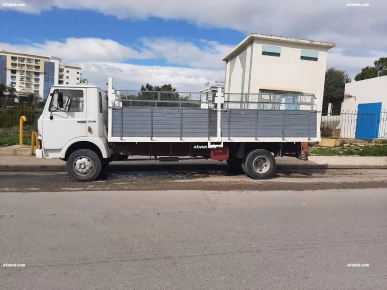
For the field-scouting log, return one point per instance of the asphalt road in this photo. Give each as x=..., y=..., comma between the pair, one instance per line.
x=196, y=177
x=194, y=239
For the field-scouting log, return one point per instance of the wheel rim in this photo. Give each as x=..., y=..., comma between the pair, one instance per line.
x=83, y=165
x=261, y=164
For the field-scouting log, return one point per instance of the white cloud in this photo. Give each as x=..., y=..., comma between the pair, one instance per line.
x=101, y=58
x=131, y=77
x=289, y=18
x=359, y=32
x=186, y=53
x=82, y=49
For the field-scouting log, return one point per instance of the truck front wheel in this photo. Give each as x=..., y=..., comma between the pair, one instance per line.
x=260, y=164
x=83, y=165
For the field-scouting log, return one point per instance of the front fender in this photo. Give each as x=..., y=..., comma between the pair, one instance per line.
x=98, y=141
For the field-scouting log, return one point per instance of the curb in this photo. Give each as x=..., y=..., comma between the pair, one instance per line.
x=122, y=168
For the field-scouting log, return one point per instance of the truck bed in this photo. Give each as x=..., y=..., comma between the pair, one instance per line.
x=182, y=123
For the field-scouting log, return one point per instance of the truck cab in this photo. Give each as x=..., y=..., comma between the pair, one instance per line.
x=74, y=117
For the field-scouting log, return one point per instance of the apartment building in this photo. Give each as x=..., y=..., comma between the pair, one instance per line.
x=35, y=74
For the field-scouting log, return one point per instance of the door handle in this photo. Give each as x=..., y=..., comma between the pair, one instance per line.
x=81, y=121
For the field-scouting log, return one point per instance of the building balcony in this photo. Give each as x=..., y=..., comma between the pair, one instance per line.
x=29, y=74
x=60, y=82
x=13, y=78
x=37, y=61
x=21, y=59
x=13, y=58
x=36, y=80
x=13, y=84
x=37, y=67
x=22, y=73
x=29, y=67
x=13, y=65
x=30, y=61
x=13, y=72
x=22, y=79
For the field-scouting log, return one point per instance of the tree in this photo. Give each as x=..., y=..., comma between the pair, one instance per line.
x=334, y=87
x=7, y=95
x=369, y=72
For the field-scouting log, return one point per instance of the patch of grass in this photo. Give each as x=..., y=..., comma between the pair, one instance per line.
x=13, y=140
x=376, y=150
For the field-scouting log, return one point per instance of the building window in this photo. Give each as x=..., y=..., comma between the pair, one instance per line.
x=271, y=50
x=67, y=71
x=72, y=101
x=67, y=77
x=78, y=72
x=67, y=83
x=77, y=78
x=309, y=55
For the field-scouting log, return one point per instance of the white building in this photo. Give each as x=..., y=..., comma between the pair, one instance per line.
x=72, y=75
x=364, y=109
x=275, y=65
x=34, y=74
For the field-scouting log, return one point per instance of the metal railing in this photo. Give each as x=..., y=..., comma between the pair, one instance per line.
x=270, y=101
x=131, y=98
x=355, y=125
x=206, y=100
x=10, y=119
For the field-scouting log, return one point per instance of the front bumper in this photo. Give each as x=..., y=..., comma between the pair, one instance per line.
x=39, y=153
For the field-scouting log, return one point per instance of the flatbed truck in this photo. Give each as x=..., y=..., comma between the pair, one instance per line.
x=88, y=127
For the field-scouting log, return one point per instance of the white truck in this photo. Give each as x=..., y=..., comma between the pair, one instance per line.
x=89, y=127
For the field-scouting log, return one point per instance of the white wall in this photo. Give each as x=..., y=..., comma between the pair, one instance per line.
x=363, y=92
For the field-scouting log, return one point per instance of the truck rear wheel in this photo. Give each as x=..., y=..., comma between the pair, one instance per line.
x=260, y=164
x=83, y=165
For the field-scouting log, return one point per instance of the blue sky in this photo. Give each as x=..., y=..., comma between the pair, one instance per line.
x=183, y=42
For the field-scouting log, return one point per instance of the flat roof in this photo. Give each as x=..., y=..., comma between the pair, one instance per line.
x=70, y=66
x=75, y=86
x=23, y=54
x=253, y=36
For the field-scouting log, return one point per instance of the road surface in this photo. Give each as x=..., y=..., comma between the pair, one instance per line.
x=313, y=239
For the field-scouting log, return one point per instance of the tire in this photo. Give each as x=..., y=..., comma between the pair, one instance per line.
x=260, y=164
x=244, y=168
x=83, y=165
x=235, y=166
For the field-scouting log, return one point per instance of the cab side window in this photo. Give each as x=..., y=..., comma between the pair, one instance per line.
x=73, y=101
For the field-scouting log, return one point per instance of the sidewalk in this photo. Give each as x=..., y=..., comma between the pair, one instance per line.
x=31, y=163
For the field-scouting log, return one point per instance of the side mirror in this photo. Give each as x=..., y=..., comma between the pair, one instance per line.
x=60, y=100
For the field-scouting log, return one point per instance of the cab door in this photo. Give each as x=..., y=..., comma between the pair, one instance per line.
x=60, y=125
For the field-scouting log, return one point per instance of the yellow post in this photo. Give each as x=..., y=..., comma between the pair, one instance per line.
x=22, y=119
x=34, y=142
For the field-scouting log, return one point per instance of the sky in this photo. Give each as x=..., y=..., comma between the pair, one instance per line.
x=182, y=42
